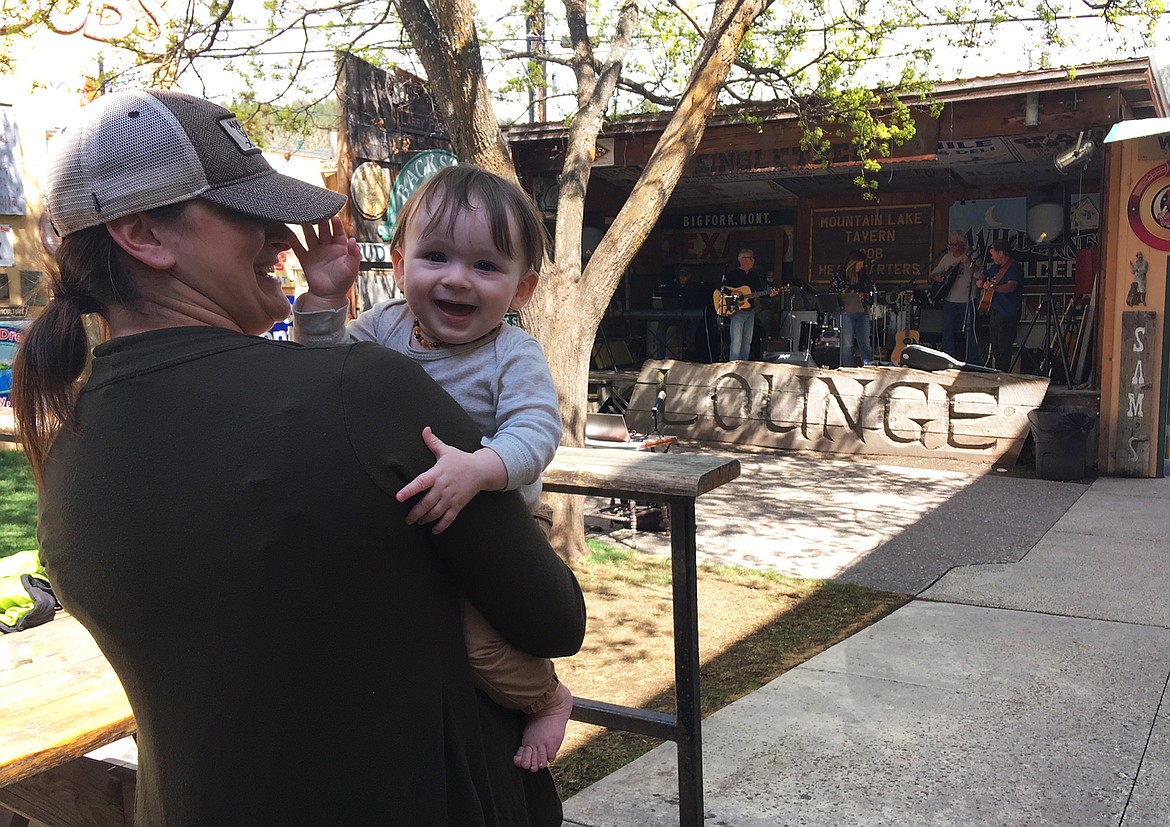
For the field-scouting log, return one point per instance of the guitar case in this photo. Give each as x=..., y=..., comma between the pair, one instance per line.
x=920, y=357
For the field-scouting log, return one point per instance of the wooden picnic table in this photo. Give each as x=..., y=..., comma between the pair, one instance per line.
x=678, y=480
x=60, y=699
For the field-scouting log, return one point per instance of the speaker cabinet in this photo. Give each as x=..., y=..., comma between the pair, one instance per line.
x=827, y=356
x=790, y=326
x=930, y=322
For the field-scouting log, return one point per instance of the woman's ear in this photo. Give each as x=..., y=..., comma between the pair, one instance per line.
x=138, y=235
x=525, y=289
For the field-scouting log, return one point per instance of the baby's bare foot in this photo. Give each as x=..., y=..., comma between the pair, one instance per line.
x=544, y=731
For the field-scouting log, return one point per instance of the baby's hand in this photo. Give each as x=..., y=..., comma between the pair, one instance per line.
x=453, y=480
x=330, y=260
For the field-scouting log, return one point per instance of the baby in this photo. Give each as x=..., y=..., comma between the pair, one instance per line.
x=467, y=249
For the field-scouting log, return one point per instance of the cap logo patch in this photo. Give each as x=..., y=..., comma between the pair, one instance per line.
x=236, y=132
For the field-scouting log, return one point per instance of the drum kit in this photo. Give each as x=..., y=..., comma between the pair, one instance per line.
x=894, y=311
x=889, y=312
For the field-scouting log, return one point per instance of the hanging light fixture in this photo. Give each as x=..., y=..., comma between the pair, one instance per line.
x=1079, y=153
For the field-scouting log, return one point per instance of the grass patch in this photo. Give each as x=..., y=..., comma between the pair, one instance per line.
x=754, y=626
x=601, y=553
x=18, y=504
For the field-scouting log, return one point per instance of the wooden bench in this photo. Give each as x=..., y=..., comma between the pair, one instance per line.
x=609, y=390
x=676, y=479
x=604, y=430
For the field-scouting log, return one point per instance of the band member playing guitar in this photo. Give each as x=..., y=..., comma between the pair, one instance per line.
x=855, y=328
x=740, y=282
x=951, y=288
x=1003, y=287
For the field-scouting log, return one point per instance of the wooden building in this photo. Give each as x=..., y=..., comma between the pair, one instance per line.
x=999, y=145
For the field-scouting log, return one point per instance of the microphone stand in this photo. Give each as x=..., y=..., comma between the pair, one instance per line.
x=970, y=317
x=656, y=411
x=722, y=320
x=982, y=273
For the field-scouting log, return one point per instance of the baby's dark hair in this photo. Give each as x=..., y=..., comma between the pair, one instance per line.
x=451, y=190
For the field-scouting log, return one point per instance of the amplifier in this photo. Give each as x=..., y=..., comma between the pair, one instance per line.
x=790, y=323
x=930, y=322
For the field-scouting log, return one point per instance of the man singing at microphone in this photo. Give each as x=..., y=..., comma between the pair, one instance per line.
x=958, y=307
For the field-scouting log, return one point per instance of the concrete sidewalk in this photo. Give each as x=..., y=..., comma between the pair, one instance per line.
x=1024, y=685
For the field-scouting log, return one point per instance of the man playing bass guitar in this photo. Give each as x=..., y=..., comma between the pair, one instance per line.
x=1002, y=287
x=951, y=288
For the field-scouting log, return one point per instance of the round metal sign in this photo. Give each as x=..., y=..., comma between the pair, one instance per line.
x=1149, y=207
x=369, y=187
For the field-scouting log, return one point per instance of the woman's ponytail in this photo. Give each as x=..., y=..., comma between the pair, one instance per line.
x=86, y=279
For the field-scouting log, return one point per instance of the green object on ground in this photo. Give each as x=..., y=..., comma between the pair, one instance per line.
x=23, y=591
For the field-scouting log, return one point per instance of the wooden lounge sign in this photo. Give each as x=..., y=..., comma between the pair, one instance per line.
x=892, y=411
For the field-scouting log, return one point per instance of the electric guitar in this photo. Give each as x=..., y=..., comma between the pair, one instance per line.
x=730, y=300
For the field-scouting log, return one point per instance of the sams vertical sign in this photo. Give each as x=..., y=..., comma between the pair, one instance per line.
x=1138, y=407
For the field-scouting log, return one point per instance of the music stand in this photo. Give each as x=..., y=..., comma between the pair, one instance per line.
x=840, y=302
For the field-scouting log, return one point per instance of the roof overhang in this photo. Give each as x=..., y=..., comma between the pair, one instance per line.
x=982, y=141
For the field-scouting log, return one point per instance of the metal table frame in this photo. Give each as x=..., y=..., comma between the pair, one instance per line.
x=677, y=479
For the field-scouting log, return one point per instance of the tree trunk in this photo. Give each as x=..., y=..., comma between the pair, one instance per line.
x=573, y=302
x=448, y=47
x=568, y=355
